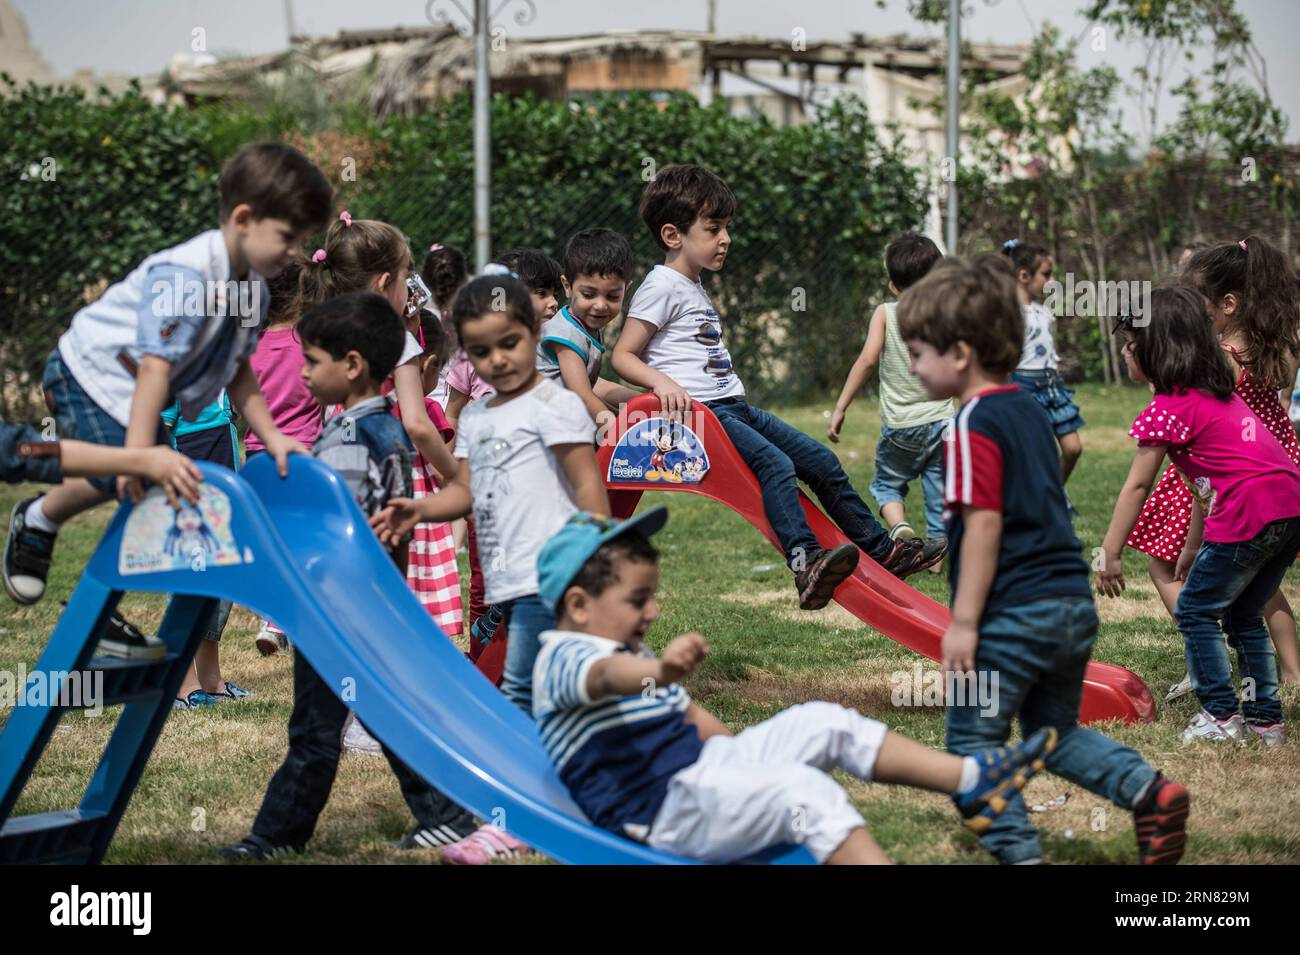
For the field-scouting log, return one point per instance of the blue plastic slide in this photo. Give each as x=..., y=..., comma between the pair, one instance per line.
x=300, y=551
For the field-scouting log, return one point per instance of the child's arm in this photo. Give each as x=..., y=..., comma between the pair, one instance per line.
x=1194, y=531
x=578, y=462
x=176, y=474
x=614, y=394
x=705, y=722
x=152, y=388
x=246, y=394
x=981, y=543
x=625, y=674
x=456, y=402
x=860, y=372
x=415, y=419
x=627, y=361
x=573, y=372
x=1128, y=506
x=395, y=521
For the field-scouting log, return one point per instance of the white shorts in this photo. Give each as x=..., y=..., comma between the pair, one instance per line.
x=770, y=786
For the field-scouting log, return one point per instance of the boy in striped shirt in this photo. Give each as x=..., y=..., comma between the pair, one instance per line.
x=1022, y=610
x=643, y=760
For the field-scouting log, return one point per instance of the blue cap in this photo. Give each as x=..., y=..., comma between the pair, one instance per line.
x=567, y=552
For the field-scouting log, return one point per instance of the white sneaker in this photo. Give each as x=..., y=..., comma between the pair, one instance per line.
x=1206, y=727
x=357, y=740
x=1273, y=734
x=271, y=639
x=1180, y=689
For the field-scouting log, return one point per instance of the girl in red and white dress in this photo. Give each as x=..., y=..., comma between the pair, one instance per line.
x=1253, y=303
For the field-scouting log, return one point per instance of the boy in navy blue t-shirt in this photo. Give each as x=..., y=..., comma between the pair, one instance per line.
x=1023, y=620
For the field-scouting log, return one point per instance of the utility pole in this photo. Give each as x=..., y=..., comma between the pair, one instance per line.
x=482, y=138
x=954, y=126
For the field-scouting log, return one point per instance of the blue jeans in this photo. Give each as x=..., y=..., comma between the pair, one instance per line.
x=780, y=457
x=905, y=454
x=1037, y=654
x=14, y=469
x=529, y=618
x=1225, y=593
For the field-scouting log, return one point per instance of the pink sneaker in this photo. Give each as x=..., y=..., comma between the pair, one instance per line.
x=486, y=844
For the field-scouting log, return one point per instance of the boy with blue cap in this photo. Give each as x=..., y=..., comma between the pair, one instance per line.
x=643, y=760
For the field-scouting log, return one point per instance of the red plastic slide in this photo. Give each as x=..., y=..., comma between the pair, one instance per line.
x=644, y=455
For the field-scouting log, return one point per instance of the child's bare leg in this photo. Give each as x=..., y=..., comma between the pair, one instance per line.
x=72, y=497
x=207, y=666
x=459, y=531
x=893, y=512
x=1162, y=575
x=1281, y=627
x=1071, y=449
x=858, y=849
x=908, y=763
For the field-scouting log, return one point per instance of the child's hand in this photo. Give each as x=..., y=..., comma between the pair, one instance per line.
x=837, y=422
x=279, y=446
x=176, y=474
x=1185, y=561
x=1110, y=575
x=682, y=656
x=958, y=647
x=130, y=489
x=673, y=399
x=395, y=521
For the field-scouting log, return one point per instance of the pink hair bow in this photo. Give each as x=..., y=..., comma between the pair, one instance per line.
x=345, y=217
x=318, y=256
x=1242, y=243
x=435, y=247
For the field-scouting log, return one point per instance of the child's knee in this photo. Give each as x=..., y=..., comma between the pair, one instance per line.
x=817, y=812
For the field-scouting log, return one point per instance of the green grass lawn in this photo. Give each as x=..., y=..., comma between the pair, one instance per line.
x=206, y=778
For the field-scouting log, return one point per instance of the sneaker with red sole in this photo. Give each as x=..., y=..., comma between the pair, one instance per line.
x=1160, y=822
x=829, y=568
x=909, y=556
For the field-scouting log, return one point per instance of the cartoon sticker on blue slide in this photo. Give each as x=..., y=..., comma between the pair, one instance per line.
x=159, y=538
x=654, y=451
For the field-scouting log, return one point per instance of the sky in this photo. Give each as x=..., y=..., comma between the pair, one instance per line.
x=141, y=36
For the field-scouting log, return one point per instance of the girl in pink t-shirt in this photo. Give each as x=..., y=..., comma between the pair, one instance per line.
x=1245, y=526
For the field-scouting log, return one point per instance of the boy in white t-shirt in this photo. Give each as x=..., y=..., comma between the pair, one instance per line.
x=181, y=327
x=643, y=760
x=672, y=343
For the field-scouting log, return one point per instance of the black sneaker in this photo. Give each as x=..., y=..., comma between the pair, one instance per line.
x=27, y=557
x=435, y=837
x=125, y=641
x=253, y=849
x=908, y=556
x=817, y=582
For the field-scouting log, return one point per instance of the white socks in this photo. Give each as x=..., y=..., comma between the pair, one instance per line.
x=35, y=518
x=970, y=774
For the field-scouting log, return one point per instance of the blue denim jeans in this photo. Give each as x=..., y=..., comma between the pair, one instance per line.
x=1037, y=654
x=905, y=454
x=780, y=456
x=1225, y=593
x=14, y=469
x=529, y=618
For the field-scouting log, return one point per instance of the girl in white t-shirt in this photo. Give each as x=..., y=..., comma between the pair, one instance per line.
x=1037, y=372
x=528, y=465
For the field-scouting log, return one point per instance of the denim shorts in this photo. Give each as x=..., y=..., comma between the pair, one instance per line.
x=904, y=455
x=1048, y=388
x=79, y=418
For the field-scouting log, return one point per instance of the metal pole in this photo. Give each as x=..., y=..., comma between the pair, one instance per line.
x=482, y=137
x=954, y=110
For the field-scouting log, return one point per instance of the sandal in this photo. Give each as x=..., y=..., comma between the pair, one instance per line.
x=488, y=843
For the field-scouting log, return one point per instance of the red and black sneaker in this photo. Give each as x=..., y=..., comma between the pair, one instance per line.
x=909, y=556
x=829, y=568
x=1160, y=821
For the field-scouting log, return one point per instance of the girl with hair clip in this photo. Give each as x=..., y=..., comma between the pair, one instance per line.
x=1253, y=308
x=1037, y=372
x=1246, y=526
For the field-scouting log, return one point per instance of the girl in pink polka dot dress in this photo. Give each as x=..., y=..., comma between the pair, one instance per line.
x=1253, y=308
x=1245, y=527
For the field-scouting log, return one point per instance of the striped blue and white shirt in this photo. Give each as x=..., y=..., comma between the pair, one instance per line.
x=615, y=754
